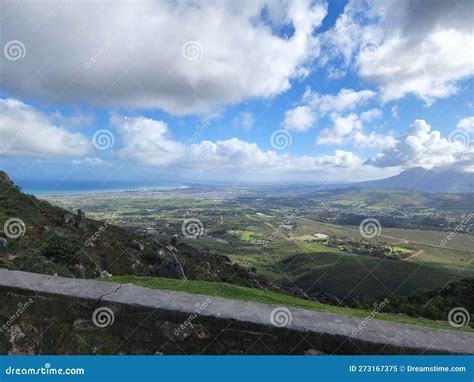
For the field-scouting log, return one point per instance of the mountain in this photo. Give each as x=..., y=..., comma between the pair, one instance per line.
x=420, y=179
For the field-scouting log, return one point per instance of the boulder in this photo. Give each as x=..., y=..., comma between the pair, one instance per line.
x=138, y=245
x=171, y=268
x=3, y=242
x=174, y=240
x=80, y=219
x=67, y=217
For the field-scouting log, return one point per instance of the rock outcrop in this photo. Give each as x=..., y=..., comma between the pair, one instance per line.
x=80, y=219
x=5, y=179
x=67, y=216
x=171, y=268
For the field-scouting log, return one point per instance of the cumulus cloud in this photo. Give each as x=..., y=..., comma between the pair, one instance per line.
x=148, y=142
x=303, y=117
x=373, y=140
x=406, y=46
x=341, y=158
x=370, y=115
x=25, y=131
x=346, y=99
x=350, y=129
x=299, y=119
x=467, y=124
x=342, y=128
x=423, y=147
x=179, y=56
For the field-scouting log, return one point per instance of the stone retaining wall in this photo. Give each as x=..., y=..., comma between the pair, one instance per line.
x=42, y=314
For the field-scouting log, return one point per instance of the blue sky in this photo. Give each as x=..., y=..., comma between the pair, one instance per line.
x=261, y=91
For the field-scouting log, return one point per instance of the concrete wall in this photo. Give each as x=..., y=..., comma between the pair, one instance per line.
x=53, y=315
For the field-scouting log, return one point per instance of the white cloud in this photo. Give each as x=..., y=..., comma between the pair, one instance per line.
x=92, y=162
x=148, y=142
x=406, y=46
x=349, y=129
x=341, y=158
x=346, y=99
x=299, y=119
x=370, y=115
x=422, y=147
x=373, y=140
x=467, y=124
x=134, y=54
x=304, y=117
x=25, y=131
x=343, y=128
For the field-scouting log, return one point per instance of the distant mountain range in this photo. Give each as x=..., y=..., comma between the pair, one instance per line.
x=420, y=179
x=415, y=179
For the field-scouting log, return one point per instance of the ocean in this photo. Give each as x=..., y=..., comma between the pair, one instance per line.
x=67, y=187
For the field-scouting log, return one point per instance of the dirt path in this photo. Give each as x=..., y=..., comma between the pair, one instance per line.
x=414, y=255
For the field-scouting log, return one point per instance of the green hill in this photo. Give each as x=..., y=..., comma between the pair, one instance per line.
x=52, y=240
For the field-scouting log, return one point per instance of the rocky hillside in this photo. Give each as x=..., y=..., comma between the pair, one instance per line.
x=38, y=237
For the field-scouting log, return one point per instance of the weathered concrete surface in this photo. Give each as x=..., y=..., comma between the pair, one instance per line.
x=150, y=321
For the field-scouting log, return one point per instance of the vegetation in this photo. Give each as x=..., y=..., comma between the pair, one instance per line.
x=265, y=297
x=437, y=303
x=273, y=245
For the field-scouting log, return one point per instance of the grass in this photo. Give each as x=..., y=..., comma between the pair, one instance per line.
x=300, y=258
x=267, y=297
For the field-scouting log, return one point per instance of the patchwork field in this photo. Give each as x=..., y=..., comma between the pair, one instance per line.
x=281, y=238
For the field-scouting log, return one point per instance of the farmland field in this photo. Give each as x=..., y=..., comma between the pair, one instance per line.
x=285, y=238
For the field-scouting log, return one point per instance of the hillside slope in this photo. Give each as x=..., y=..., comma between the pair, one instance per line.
x=38, y=237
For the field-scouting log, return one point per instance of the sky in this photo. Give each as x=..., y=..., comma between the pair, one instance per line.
x=235, y=91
